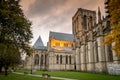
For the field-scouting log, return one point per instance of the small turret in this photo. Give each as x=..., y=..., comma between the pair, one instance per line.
x=99, y=15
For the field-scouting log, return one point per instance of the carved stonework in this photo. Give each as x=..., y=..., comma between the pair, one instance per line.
x=93, y=55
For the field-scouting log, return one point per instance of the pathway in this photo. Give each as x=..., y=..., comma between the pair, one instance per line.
x=58, y=78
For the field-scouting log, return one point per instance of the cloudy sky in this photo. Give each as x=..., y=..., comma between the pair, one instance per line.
x=55, y=15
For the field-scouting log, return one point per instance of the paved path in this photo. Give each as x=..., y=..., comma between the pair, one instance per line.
x=58, y=78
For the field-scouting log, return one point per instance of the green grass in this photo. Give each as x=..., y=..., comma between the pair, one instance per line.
x=21, y=77
x=78, y=75
x=22, y=71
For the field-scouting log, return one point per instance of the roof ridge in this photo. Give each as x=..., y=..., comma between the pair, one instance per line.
x=60, y=32
x=61, y=36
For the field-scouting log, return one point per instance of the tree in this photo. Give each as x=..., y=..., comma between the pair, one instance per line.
x=114, y=35
x=15, y=33
x=9, y=57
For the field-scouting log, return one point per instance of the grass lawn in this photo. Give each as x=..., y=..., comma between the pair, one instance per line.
x=77, y=75
x=21, y=77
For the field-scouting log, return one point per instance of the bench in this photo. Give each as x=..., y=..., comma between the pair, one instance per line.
x=45, y=75
x=25, y=73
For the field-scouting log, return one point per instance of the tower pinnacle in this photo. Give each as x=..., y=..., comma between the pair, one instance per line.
x=99, y=15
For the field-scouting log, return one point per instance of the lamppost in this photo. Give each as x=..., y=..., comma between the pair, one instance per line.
x=31, y=69
x=31, y=66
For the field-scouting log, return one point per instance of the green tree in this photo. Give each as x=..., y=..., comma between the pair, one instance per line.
x=9, y=57
x=114, y=35
x=15, y=33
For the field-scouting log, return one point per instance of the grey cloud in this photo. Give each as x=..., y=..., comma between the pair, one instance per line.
x=57, y=14
x=67, y=8
x=42, y=7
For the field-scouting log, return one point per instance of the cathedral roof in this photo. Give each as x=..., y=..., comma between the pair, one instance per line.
x=61, y=36
x=39, y=44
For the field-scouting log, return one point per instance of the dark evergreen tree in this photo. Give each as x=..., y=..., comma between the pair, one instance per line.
x=15, y=33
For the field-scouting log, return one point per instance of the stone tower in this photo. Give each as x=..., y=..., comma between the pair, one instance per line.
x=83, y=23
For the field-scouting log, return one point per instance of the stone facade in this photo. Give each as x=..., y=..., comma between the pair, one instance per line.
x=82, y=51
x=60, y=52
x=90, y=53
x=57, y=55
x=37, y=61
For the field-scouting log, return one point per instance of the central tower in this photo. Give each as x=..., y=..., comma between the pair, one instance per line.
x=83, y=23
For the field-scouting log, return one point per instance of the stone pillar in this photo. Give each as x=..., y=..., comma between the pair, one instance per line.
x=115, y=58
x=51, y=61
x=74, y=59
x=83, y=60
x=106, y=53
x=91, y=56
x=40, y=61
x=64, y=62
x=101, y=55
x=43, y=61
x=77, y=59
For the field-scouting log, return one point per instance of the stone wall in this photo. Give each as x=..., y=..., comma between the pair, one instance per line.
x=113, y=69
x=56, y=64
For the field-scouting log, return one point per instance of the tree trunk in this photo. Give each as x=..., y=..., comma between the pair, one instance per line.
x=6, y=68
x=0, y=69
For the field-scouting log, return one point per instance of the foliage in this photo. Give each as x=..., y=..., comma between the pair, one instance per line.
x=114, y=35
x=14, y=26
x=114, y=10
x=15, y=33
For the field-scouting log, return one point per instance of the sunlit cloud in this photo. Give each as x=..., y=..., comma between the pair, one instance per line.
x=55, y=15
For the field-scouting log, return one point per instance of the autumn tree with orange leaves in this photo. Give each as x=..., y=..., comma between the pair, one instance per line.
x=114, y=35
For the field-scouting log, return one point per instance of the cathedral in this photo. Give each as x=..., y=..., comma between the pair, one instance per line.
x=81, y=51
x=58, y=55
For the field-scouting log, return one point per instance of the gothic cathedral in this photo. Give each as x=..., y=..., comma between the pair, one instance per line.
x=82, y=51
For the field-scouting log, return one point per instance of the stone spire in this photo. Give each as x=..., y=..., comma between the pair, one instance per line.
x=39, y=43
x=99, y=15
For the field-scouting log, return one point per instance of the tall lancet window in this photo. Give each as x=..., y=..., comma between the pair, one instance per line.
x=110, y=55
x=91, y=22
x=60, y=59
x=85, y=22
x=41, y=59
x=96, y=52
x=36, y=61
x=45, y=59
x=66, y=59
x=70, y=60
x=57, y=59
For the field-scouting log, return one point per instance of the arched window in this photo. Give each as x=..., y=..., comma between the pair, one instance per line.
x=66, y=59
x=65, y=44
x=45, y=59
x=91, y=22
x=57, y=44
x=110, y=55
x=36, y=61
x=85, y=22
x=96, y=49
x=60, y=59
x=57, y=59
x=41, y=59
x=69, y=59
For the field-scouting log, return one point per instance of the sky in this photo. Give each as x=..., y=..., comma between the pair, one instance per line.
x=55, y=15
